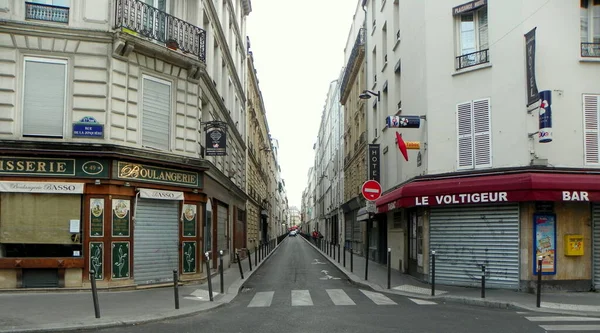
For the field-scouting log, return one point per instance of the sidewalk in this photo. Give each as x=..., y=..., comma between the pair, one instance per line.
x=64, y=311
x=580, y=303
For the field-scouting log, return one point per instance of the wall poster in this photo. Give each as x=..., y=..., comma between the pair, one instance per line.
x=96, y=217
x=120, y=217
x=189, y=220
x=544, y=243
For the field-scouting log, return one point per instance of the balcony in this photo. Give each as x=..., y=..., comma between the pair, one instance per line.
x=472, y=59
x=590, y=50
x=142, y=20
x=363, y=137
x=356, y=54
x=40, y=12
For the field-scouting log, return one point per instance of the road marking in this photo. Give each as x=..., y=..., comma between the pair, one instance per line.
x=317, y=262
x=422, y=301
x=377, y=298
x=301, y=298
x=571, y=327
x=418, y=290
x=339, y=297
x=261, y=299
x=327, y=276
x=561, y=318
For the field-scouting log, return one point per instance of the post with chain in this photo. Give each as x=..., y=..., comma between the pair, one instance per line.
x=94, y=293
x=249, y=259
x=482, y=281
x=389, y=268
x=539, y=282
x=433, y=273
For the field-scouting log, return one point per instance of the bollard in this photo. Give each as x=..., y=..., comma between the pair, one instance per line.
x=539, y=282
x=432, y=273
x=482, y=281
x=338, y=246
x=176, y=289
x=351, y=260
x=221, y=278
x=249, y=259
x=237, y=255
x=389, y=268
x=255, y=254
x=333, y=250
x=344, y=255
x=94, y=293
x=208, y=279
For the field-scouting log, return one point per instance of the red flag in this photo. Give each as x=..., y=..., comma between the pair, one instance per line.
x=402, y=145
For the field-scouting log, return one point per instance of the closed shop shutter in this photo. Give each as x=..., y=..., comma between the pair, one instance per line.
x=156, y=239
x=596, y=242
x=348, y=218
x=467, y=237
x=221, y=228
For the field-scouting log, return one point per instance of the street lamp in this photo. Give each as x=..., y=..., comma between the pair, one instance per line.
x=366, y=94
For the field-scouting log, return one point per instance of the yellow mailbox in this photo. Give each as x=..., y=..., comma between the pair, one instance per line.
x=573, y=245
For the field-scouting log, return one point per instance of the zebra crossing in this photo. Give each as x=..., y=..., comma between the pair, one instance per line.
x=339, y=297
x=563, y=323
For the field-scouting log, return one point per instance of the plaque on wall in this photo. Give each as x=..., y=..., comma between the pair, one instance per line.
x=96, y=217
x=96, y=259
x=189, y=257
x=189, y=220
x=120, y=260
x=121, y=214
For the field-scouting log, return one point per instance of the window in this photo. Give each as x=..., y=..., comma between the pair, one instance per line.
x=472, y=33
x=590, y=28
x=474, y=134
x=156, y=116
x=591, y=111
x=44, y=97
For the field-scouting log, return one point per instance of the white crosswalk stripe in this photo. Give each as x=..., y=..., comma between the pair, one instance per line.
x=574, y=323
x=422, y=301
x=301, y=298
x=339, y=297
x=377, y=298
x=261, y=299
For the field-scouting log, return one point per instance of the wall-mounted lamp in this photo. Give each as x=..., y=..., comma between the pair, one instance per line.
x=97, y=182
x=366, y=94
x=126, y=184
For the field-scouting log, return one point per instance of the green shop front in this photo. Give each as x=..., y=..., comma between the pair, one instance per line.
x=127, y=222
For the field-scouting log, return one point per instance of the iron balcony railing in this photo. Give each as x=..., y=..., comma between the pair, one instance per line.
x=472, y=59
x=590, y=50
x=360, y=42
x=144, y=20
x=363, y=137
x=40, y=12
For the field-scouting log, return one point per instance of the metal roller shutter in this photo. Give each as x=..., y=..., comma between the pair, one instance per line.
x=222, y=218
x=596, y=244
x=156, y=238
x=467, y=237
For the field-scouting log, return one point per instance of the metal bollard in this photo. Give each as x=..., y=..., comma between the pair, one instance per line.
x=539, y=282
x=256, y=254
x=338, y=246
x=389, y=268
x=94, y=293
x=221, y=278
x=333, y=250
x=249, y=259
x=176, y=288
x=237, y=255
x=344, y=255
x=351, y=260
x=208, y=278
x=432, y=273
x=482, y=281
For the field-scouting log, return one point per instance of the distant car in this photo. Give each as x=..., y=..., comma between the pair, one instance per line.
x=293, y=233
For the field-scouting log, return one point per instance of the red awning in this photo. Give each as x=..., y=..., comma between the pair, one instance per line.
x=494, y=189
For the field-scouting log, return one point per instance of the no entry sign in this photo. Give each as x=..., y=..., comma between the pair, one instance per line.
x=371, y=190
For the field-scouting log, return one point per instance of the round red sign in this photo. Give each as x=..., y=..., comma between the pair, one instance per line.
x=371, y=190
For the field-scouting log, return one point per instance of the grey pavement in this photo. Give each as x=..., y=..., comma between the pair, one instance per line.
x=64, y=311
x=579, y=303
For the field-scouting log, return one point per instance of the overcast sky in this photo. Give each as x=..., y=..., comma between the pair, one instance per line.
x=298, y=49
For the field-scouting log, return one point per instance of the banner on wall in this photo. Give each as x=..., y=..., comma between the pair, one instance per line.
x=545, y=134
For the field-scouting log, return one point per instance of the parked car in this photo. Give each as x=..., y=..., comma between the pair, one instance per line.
x=293, y=233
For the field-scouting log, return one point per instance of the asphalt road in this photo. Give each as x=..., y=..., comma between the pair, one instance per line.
x=297, y=291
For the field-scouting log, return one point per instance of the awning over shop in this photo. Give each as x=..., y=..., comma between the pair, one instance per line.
x=529, y=186
x=362, y=215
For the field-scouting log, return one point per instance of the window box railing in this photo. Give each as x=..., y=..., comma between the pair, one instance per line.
x=472, y=59
x=41, y=12
x=590, y=50
x=140, y=19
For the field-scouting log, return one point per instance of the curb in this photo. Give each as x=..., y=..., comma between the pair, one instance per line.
x=232, y=292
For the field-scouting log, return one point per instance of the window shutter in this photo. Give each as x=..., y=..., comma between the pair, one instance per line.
x=156, y=124
x=482, y=133
x=483, y=29
x=464, y=126
x=590, y=111
x=44, y=98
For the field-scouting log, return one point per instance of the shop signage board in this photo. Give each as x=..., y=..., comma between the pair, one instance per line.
x=189, y=220
x=120, y=260
x=121, y=214
x=147, y=193
x=96, y=259
x=374, y=161
x=41, y=187
x=96, y=217
x=216, y=138
x=152, y=174
x=189, y=257
x=55, y=167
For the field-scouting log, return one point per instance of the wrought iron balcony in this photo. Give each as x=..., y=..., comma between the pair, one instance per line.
x=358, y=46
x=41, y=12
x=140, y=19
x=363, y=137
x=472, y=59
x=591, y=50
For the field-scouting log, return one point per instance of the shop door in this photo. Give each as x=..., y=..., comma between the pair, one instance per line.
x=155, y=239
x=596, y=244
x=415, y=243
x=467, y=237
x=240, y=232
x=222, y=217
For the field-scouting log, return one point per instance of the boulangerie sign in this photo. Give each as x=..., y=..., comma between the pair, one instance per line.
x=41, y=187
x=160, y=194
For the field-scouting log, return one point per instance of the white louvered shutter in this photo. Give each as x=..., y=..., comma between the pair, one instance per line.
x=464, y=124
x=590, y=114
x=482, y=135
x=156, y=120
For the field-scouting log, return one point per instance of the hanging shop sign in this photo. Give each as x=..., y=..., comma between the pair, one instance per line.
x=545, y=134
x=403, y=121
x=544, y=243
x=88, y=127
x=374, y=162
x=152, y=174
x=216, y=138
x=56, y=167
x=415, y=145
x=532, y=90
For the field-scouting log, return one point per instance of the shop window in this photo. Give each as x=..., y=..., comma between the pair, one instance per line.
x=44, y=97
x=156, y=117
x=591, y=111
x=472, y=38
x=38, y=225
x=474, y=134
